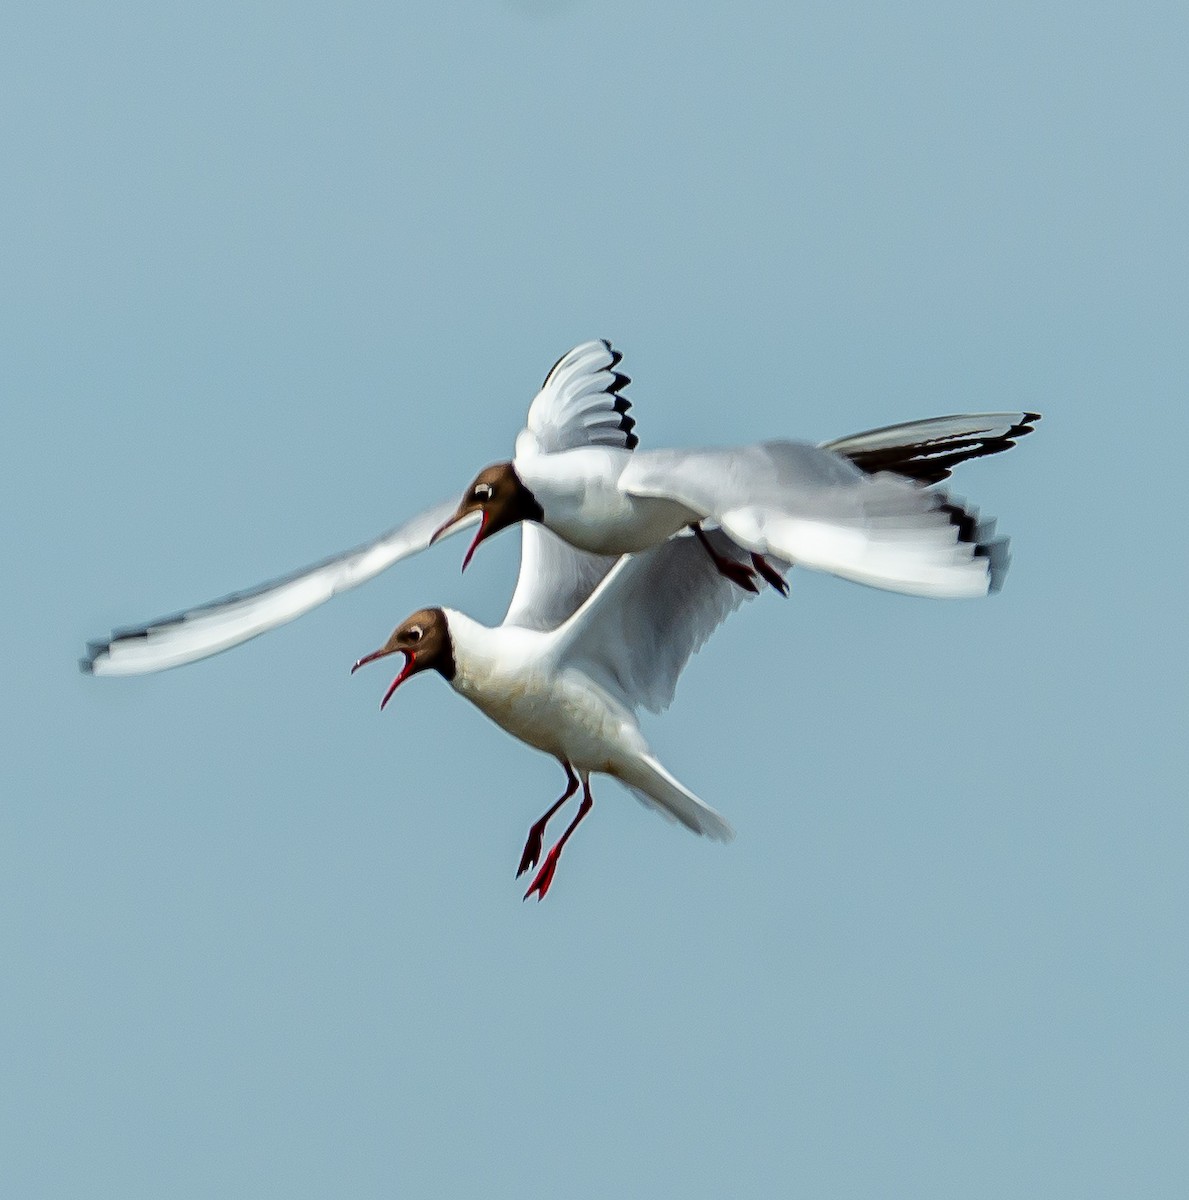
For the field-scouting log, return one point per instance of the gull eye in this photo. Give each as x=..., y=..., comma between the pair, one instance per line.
x=482, y=491
x=414, y=633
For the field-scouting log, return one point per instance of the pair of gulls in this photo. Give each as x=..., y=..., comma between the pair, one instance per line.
x=629, y=561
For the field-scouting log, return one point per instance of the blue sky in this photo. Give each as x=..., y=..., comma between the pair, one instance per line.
x=277, y=276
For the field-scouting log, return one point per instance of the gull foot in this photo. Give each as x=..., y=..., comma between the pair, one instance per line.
x=771, y=575
x=532, y=848
x=738, y=572
x=544, y=876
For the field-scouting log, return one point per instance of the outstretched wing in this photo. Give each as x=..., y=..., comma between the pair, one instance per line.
x=580, y=404
x=814, y=507
x=217, y=626
x=928, y=451
x=653, y=611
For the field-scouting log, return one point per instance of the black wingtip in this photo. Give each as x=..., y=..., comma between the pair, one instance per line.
x=998, y=556
x=965, y=520
x=127, y=633
x=95, y=650
x=1022, y=428
x=933, y=460
x=979, y=532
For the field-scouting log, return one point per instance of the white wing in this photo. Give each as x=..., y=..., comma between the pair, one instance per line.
x=816, y=508
x=555, y=579
x=217, y=626
x=928, y=451
x=580, y=404
x=652, y=612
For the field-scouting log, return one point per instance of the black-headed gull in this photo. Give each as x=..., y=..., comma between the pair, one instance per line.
x=854, y=506
x=572, y=689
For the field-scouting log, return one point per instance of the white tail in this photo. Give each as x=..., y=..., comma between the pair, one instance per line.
x=653, y=786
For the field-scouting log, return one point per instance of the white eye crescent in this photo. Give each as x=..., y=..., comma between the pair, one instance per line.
x=415, y=632
x=482, y=491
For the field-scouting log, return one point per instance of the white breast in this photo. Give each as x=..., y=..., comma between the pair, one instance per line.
x=508, y=674
x=580, y=495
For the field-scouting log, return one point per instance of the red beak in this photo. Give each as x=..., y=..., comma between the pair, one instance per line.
x=478, y=538
x=406, y=670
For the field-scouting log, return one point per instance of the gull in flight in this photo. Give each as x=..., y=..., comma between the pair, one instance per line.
x=859, y=507
x=855, y=507
x=573, y=690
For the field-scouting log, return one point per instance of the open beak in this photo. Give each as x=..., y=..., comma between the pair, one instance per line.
x=452, y=523
x=457, y=521
x=406, y=670
x=479, y=536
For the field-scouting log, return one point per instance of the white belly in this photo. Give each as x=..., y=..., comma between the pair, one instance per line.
x=618, y=524
x=558, y=714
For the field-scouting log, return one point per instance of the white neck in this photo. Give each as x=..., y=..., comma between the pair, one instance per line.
x=482, y=653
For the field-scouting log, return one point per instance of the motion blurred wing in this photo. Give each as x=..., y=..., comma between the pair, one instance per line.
x=814, y=507
x=221, y=624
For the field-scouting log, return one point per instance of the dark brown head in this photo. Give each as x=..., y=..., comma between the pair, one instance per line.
x=502, y=499
x=424, y=640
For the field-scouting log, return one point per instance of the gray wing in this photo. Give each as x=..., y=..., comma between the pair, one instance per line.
x=649, y=616
x=555, y=579
x=221, y=624
x=928, y=451
x=816, y=508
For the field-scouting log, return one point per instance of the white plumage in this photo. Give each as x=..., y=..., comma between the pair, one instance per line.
x=574, y=691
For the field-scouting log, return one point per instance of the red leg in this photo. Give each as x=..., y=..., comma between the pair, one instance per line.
x=770, y=573
x=532, y=847
x=544, y=876
x=736, y=572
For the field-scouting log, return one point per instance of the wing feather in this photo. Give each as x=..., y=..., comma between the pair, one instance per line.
x=555, y=579
x=581, y=403
x=928, y=451
x=649, y=616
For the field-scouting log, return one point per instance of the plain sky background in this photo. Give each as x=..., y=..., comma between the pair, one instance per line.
x=277, y=275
